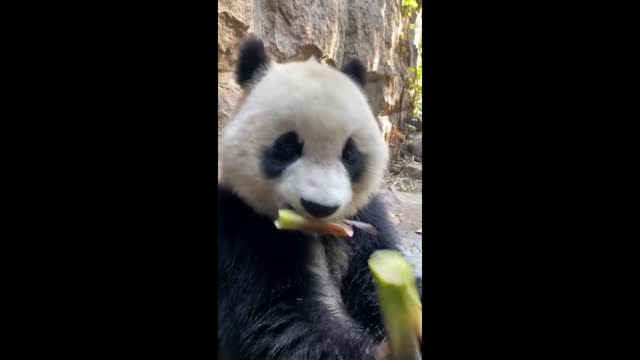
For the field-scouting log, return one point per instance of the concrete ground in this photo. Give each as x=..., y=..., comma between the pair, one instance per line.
x=405, y=211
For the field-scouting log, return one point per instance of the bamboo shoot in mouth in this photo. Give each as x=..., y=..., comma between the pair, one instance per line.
x=290, y=220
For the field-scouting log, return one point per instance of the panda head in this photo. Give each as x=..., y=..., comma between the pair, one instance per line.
x=302, y=137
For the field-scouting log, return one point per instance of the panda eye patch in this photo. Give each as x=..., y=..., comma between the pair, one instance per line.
x=353, y=160
x=285, y=149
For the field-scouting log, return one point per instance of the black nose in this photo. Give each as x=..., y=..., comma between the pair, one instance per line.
x=318, y=210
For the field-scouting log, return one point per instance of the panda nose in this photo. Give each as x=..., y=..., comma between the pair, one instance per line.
x=318, y=210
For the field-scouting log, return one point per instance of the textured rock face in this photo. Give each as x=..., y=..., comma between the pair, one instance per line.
x=228, y=94
x=234, y=20
x=415, y=147
x=413, y=170
x=331, y=30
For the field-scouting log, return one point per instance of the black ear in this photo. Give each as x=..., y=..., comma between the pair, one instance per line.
x=356, y=71
x=251, y=60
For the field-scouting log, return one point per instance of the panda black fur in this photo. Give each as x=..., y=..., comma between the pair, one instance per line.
x=283, y=294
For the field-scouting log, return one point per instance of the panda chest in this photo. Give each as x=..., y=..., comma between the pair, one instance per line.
x=329, y=261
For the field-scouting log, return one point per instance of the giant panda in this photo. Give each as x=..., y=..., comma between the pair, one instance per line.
x=302, y=137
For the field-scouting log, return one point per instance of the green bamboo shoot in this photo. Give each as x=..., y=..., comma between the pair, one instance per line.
x=399, y=303
x=290, y=220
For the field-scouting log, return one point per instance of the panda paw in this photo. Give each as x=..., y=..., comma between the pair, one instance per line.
x=383, y=352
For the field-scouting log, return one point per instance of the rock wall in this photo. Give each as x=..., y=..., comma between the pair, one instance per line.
x=331, y=30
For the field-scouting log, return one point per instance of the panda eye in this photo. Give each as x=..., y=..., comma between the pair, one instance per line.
x=287, y=147
x=348, y=151
x=285, y=150
x=353, y=160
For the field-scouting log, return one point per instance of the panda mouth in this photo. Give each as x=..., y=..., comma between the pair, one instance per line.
x=287, y=206
x=289, y=219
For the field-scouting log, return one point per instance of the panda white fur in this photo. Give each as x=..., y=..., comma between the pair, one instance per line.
x=302, y=137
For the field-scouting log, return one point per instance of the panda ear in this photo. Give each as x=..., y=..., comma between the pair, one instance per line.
x=251, y=61
x=356, y=71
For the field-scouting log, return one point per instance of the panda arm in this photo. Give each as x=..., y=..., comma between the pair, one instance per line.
x=266, y=305
x=259, y=321
x=358, y=286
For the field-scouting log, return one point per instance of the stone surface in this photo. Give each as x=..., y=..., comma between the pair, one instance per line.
x=413, y=170
x=234, y=20
x=219, y=160
x=415, y=147
x=331, y=30
x=386, y=126
x=416, y=262
x=405, y=211
x=229, y=92
x=415, y=122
